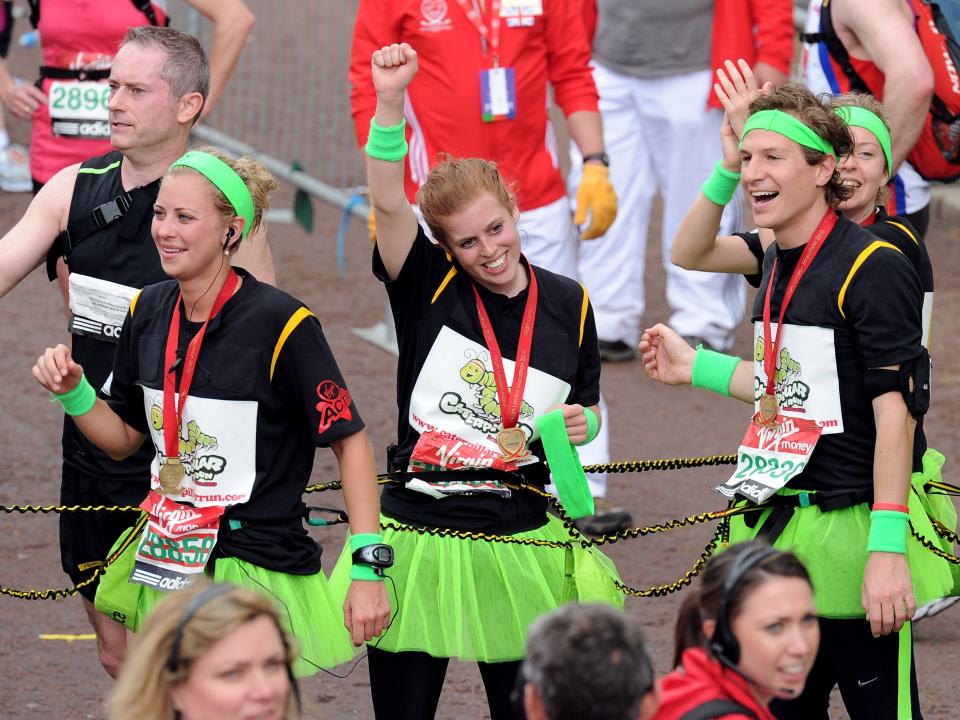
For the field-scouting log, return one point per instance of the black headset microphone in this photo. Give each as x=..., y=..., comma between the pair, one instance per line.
x=723, y=643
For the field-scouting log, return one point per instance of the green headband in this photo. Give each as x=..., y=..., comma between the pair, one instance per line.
x=861, y=117
x=226, y=179
x=787, y=125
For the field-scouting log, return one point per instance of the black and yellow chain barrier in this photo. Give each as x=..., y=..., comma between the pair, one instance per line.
x=576, y=537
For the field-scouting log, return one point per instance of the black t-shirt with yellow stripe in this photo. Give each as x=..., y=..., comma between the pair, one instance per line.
x=859, y=306
x=266, y=392
x=445, y=386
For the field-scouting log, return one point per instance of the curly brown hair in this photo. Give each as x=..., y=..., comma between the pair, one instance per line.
x=816, y=113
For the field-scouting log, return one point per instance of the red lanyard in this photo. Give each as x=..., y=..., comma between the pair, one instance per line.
x=511, y=398
x=487, y=35
x=771, y=349
x=172, y=413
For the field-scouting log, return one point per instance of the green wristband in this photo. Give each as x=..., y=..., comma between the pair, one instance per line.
x=713, y=370
x=721, y=185
x=593, y=426
x=888, y=531
x=80, y=400
x=364, y=572
x=363, y=539
x=387, y=143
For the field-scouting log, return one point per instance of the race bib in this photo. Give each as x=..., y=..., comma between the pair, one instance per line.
x=498, y=94
x=176, y=543
x=770, y=457
x=79, y=109
x=98, y=307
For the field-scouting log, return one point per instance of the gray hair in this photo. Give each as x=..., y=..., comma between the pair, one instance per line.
x=186, y=69
x=588, y=662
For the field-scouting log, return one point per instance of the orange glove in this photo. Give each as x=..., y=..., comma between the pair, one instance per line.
x=596, y=196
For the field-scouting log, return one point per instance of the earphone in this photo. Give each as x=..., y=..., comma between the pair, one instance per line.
x=723, y=643
x=226, y=243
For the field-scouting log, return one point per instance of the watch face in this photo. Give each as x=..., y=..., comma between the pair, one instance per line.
x=383, y=555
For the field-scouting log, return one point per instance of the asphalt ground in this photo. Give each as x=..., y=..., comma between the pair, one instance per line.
x=62, y=678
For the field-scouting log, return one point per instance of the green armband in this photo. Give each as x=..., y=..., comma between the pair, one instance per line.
x=888, y=531
x=387, y=143
x=363, y=539
x=713, y=370
x=80, y=400
x=364, y=572
x=721, y=185
x=593, y=426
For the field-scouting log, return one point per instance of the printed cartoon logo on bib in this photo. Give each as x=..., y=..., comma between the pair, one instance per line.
x=217, y=450
x=79, y=109
x=176, y=544
x=455, y=409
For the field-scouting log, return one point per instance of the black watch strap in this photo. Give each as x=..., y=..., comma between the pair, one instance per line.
x=601, y=156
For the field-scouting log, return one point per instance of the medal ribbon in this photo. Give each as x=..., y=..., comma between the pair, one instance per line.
x=487, y=35
x=510, y=398
x=771, y=349
x=870, y=219
x=171, y=412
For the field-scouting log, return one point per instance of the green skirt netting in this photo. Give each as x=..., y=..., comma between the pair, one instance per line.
x=833, y=545
x=310, y=612
x=475, y=599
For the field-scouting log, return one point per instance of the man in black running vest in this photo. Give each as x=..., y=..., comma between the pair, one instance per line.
x=97, y=215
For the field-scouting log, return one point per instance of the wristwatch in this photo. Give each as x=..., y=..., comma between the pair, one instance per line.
x=601, y=156
x=379, y=557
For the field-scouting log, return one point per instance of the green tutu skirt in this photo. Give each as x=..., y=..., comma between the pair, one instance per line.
x=833, y=545
x=307, y=606
x=474, y=599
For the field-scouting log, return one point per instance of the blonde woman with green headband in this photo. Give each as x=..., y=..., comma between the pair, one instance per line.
x=838, y=381
x=234, y=384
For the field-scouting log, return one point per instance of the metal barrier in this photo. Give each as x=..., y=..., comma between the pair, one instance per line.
x=288, y=100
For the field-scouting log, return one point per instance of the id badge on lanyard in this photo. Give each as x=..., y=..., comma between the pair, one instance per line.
x=498, y=94
x=79, y=108
x=770, y=456
x=176, y=544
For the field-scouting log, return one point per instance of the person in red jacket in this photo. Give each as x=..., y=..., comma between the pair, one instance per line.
x=748, y=635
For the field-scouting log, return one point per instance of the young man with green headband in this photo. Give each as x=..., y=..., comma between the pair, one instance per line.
x=98, y=213
x=834, y=380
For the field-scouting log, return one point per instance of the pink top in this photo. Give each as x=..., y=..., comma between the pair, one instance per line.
x=78, y=35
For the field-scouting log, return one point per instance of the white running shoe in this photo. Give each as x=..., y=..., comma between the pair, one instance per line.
x=15, y=169
x=935, y=607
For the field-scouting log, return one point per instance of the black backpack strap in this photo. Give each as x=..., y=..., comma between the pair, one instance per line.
x=838, y=52
x=718, y=708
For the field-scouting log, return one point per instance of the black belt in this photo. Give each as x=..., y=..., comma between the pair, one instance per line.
x=57, y=73
x=783, y=507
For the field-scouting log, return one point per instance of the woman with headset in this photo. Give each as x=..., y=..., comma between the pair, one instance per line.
x=753, y=634
x=212, y=652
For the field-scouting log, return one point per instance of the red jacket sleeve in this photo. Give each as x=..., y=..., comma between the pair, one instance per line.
x=590, y=19
x=377, y=24
x=774, y=38
x=568, y=57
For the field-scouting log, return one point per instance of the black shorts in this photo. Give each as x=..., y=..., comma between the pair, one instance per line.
x=86, y=537
x=874, y=681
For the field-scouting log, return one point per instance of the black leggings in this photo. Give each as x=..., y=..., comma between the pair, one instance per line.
x=407, y=685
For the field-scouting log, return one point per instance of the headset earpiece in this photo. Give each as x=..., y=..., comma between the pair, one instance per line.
x=723, y=643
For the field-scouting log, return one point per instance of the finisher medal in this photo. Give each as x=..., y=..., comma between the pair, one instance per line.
x=513, y=444
x=171, y=476
x=769, y=407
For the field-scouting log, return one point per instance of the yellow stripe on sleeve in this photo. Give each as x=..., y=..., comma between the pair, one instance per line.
x=133, y=302
x=443, y=284
x=291, y=325
x=861, y=259
x=583, y=312
x=905, y=230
